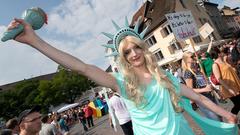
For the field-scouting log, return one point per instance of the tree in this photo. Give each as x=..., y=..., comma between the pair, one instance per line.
x=18, y=99
x=70, y=85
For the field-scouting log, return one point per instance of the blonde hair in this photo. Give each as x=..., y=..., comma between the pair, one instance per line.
x=133, y=89
x=185, y=67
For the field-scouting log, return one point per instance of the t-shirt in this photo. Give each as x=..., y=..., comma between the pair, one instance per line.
x=48, y=129
x=207, y=65
x=88, y=111
x=198, y=82
x=158, y=117
x=198, y=79
x=119, y=108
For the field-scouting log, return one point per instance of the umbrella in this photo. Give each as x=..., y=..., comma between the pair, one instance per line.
x=67, y=107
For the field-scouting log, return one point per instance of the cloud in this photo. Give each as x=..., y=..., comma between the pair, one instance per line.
x=230, y=3
x=20, y=62
x=74, y=27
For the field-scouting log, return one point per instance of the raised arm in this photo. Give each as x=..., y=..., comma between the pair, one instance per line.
x=198, y=98
x=28, y=36
x=210, y=45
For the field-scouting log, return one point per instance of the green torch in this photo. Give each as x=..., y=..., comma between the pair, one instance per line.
x=36, y=17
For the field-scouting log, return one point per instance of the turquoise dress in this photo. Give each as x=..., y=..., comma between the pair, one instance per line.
x=157, y=115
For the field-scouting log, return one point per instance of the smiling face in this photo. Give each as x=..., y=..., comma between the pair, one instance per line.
x=132, y=52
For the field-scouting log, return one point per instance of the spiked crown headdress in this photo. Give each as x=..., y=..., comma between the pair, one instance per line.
x=121, y=33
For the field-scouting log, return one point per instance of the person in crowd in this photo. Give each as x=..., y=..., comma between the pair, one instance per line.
x=228, y=79
x=206, y=63
x=117, y=105
x=206, y=60
x=195, y=79
x=151, y=95
x=47, y=127
x=54, y=117
x=179, y=74
x=12, y=124
x=82, y=119
x=62, y=121
x=236, y=57
x=88, y=115
x=29, y=121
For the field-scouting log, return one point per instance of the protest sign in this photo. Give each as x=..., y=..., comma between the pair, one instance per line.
x=182, y=24
x=205, y=30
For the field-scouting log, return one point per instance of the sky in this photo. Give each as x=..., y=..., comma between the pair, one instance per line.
x=74, y=26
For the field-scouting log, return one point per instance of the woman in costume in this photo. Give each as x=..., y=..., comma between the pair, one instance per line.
x=152, y=96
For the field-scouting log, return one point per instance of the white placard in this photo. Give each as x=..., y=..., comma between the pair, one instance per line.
x=182, y=24
x=205, y=30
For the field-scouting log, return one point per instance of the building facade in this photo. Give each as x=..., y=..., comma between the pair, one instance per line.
x=217, y=19
x=160, y=38
x=231, y=18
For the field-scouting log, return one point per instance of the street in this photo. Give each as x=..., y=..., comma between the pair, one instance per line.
x=102, y=126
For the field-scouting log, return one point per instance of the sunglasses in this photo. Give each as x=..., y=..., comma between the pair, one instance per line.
x=33, y=119
x=192, y=57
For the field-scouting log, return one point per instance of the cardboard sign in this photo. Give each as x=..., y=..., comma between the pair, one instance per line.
x=205, y=30
x=182, y=24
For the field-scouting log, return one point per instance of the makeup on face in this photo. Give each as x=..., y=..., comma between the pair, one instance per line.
x=134, y=49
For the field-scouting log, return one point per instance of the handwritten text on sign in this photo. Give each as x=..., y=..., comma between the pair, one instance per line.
x=182, y=24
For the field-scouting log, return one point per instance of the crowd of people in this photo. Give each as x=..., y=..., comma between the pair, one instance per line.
x=220, y=62
x=32, y=122
x=152, y=96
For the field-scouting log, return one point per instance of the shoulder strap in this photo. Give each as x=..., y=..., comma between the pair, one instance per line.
x=218, y=69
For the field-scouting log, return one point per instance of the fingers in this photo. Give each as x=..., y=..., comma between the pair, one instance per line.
x=233, y=119
x=21, y=21
x=13, y=24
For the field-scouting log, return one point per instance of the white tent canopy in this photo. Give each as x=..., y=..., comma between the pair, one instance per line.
x=67, y=107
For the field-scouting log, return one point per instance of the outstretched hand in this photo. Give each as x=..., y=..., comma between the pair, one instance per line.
x=232, y=119
x=208, y=88
x=27, y=36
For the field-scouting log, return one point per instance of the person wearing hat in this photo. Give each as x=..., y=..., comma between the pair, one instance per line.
x=29, y=121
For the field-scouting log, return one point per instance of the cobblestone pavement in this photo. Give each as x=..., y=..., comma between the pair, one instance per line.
x=102, y=125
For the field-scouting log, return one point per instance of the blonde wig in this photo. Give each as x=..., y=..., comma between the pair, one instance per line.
x=185, y=66
x=134, y=91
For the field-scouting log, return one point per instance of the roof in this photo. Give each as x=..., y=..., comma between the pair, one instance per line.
x=153, y=13
x=42, y=77
x=211, y=4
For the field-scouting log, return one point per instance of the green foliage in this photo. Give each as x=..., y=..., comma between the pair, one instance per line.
x=14, y=101
x=65, y=87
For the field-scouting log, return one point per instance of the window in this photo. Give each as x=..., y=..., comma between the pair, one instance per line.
x=176, y=46
x=201, y=21
x=182, y=3
x=166, y=31
x=151, y=41
x=197, y=39
x=205, y=20
x=159, y=55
